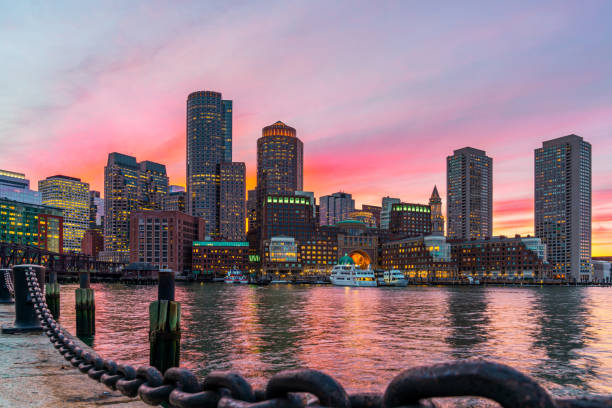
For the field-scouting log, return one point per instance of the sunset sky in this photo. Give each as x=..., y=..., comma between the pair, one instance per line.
x=379, y=92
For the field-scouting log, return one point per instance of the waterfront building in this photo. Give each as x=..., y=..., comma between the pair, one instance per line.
x=92, y=243
x=423, y=258
x=152, y=185
x=502, y=257
x=601, y=271
x=31, y=224
x=385, y=212
x=175, y=201
x=562, y=204
x=359, y=242
x=364, y=216
x=280, y=160
x=437, y=219
x=213, y=259
x=14, y=186
x=251, y=209
x=469, y=183
x=320, y=253
x=374, y=210
x=410, y=220
x=288, y=216
x=335, y=208
x=71, y=195
x=208, y=132
x=128, y=186
x=232, y=209
x=281, y=258
x=96, y=210
x=164, y=238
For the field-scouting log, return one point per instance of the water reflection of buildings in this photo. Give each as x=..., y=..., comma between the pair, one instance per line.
x=469, y=322
x=563, y=331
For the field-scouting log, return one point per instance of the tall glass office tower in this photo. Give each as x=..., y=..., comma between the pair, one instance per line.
x=563, y=205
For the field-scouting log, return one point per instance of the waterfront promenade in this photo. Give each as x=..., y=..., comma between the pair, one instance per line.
x=34, y=374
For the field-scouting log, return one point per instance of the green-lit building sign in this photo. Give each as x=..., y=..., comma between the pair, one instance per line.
x=254, y=258
x=288, y=200
x=411, y=207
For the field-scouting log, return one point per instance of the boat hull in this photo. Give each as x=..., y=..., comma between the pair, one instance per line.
x=353, y=283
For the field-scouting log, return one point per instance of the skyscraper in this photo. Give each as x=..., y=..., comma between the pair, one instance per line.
x=129, y=186
x=437, y=219
x=232, y=201
x=209, y=139
x=96, y=210
x=385, y=212
x=15, y=186
x=280, y=160
x=70, y=195
x=335, y=208
x=563, y=204
x=469, y=184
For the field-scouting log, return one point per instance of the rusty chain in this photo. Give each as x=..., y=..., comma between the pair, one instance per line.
x=179, y=387
x=8, y=282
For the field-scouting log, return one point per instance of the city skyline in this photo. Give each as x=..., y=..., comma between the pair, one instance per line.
x=366, y=132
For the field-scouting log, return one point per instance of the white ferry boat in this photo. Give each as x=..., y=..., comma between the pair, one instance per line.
x=394, y=278
x=346, y=273
x=235, y=276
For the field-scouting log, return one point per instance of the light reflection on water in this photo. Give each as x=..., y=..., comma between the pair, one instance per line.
x=365, y=336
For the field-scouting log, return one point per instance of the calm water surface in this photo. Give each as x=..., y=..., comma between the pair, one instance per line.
x=365, y=336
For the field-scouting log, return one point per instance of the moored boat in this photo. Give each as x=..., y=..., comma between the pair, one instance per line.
x=235, y=276
x=346, y=273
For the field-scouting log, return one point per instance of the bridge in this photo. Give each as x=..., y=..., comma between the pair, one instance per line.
x=65, y=265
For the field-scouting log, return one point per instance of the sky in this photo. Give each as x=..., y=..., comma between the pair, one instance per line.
x=379, y=92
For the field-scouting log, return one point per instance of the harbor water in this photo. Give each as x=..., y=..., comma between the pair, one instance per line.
x=363, y=337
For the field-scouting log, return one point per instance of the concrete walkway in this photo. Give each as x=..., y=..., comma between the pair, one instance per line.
x=34, y=374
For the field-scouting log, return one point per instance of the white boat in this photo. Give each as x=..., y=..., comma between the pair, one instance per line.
x=235, y=276
x=346, y=273
x=394, y=277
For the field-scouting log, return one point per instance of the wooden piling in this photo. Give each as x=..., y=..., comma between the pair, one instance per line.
x=85, y=308
x=164, y=327
x=52, y=295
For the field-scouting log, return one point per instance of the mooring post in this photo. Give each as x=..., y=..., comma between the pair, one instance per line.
x=165, y=325
x=52, y=295
x=85, y=307
x=6, y=286
x=25, y=314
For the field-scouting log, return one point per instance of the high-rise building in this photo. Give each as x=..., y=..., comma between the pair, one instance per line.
x=385, y=212
x=175, y=201
x=410, y=220
x=335, y=208
x=207, y=130
x=437, y=219
x=288, y=216
x=232, y=203
x=71, y=195
x=563, y=205
x=251, y=208
x=469, y=183
x=152, y=185
x=226, y=128
x=96, y=210
x=31, y=224
x=280, y=160
x=128, y=186
x=14, y=186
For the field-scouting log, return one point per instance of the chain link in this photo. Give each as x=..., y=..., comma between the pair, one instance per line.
x=9, y=283
x=179, y=387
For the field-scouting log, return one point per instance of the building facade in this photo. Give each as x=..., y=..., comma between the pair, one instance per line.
x=437, y=219
x=288, y=216
x=232, y=201
x=207, y=135
x=335, y=208
x=96, y=210
x=92, y=243
x=420, y=258
x=385, y=212
x=374, y=210
x=164, y=239
x=410, y=220
x=14, y=186
x=502, y=258
x=359, y=242
x=128, y=186
x=213, y=259
x=562, y=203
x=31, y=224
x=71, y=195
x=175, y=201
x=469, y=183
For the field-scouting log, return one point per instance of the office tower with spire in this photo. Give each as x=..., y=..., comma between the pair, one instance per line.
x=562, y=204
x=469, y=184
x=437, y=219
